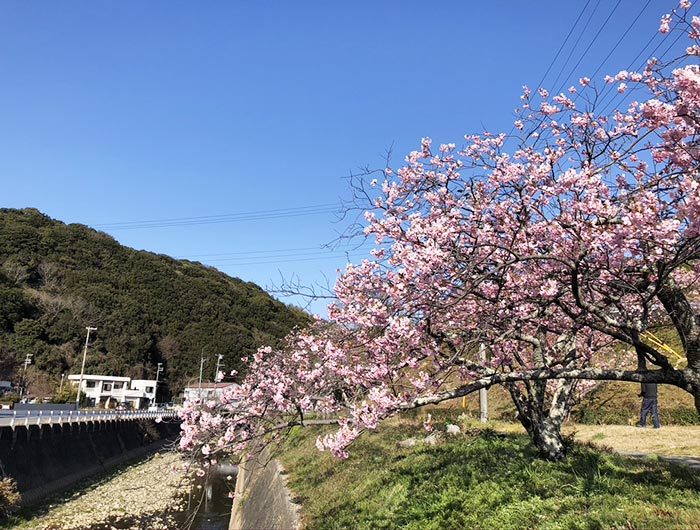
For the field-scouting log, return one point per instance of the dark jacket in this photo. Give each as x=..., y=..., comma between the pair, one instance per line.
x=649, y=391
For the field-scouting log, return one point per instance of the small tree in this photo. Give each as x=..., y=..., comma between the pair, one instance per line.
x=67, y=395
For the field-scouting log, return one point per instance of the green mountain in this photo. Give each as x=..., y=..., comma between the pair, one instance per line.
x=56, y=279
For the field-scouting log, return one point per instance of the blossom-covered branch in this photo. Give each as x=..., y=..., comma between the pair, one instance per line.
x=554, y=249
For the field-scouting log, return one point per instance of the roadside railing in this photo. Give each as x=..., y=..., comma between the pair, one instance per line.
x=14, y=418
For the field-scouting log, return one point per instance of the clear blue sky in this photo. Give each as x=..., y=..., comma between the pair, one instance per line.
x=121, y=112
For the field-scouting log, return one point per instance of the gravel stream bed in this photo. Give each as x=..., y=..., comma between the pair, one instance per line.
x=150, y=495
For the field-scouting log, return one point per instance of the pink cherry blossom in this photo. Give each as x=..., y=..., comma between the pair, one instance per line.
x=665, y=24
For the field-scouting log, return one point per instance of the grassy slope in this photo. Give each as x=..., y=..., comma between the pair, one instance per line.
x=483, y=481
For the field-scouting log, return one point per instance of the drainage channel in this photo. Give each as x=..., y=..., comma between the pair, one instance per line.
x=210, y=503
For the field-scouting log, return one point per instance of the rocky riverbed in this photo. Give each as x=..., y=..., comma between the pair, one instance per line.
x=151, y=495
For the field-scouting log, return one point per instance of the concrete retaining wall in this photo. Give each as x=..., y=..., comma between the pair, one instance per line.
x=262, y=499
x=49, y=458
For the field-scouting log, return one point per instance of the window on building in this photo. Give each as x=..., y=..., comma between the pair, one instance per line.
x=107, y=387
x=119, y=385
x=89, y=384
x=149, y=389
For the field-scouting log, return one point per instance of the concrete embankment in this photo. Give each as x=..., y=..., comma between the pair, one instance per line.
x=49, y=458
x=262, y=499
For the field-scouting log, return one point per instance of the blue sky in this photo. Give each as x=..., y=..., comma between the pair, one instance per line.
x=243, y=120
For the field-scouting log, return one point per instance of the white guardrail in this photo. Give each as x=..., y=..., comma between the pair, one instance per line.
x=14, y=418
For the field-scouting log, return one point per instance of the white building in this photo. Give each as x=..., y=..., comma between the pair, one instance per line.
x=108, y=391
x=206, y=391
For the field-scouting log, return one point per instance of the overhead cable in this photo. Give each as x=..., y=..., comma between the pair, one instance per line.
x=226, y=218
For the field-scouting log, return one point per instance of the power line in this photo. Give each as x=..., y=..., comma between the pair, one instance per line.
x=663, y=39
x=566, y=61
x=568, y=35
x=608, y=88
x=595, y=37
x=281, y=213
x=607, y=94
x=670, y=46
x=270, y=256
x=322, y=250
x=619, y=41
x=281, y=259
x=295, y=260
x=575, y=46
x=217, y=254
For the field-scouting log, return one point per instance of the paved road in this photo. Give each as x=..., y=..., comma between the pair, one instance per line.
x=692, y=462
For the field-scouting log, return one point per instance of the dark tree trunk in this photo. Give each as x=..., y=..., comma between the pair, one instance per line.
x=684, y=319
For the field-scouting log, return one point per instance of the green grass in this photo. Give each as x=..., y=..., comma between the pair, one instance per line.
x=483, y=481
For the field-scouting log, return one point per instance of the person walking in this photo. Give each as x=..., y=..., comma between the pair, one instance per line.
x=650, y=405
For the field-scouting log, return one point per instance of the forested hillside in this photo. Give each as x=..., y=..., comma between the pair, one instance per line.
x=56, y=279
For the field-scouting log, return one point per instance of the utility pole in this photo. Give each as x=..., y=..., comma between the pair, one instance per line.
x=218, y=364
x=158, y=371
x=483, y=393
x=82, y=368
x=60, y=388
x=27, y=362
x=201, y=370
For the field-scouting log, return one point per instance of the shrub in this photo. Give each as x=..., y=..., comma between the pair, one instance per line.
x=12, y=398
x=9, y=497
x=680, y=416
x=611, y=416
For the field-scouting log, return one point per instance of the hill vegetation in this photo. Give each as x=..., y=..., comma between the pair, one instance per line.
x=56, y=279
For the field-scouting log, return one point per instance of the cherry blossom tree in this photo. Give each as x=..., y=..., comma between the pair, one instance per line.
x=549, y=246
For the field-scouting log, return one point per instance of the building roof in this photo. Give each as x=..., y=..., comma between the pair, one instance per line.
x=87, y=377
x=210, y=386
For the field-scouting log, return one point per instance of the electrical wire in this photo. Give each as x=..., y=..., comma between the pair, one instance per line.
x=595, y=37
x=218, y=254
x=568, y=35
x=272, y=256
x=295, y=260
x=276, y=253
x=619, y=41
x=575, y=46
x=281, y=213
x=607, y=94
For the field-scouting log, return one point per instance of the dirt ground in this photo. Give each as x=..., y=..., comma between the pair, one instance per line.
x=671, y=440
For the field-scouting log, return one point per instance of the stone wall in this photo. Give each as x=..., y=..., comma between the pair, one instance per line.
x=49, y=458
